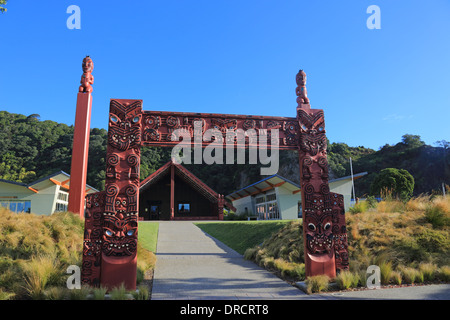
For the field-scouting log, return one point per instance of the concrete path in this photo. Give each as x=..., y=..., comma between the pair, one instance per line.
x=191, y=265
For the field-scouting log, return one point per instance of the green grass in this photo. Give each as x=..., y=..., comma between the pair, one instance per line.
x=148, y=235
x=241, y=235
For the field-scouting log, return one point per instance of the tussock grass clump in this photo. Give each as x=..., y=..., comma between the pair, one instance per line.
x=316, y=284
x=428, y=270
x=119, y=293
x=347, y=279
x=396, y=277
x=438, y=212
x=444, y=273
x=41, y=271
x=142, y=293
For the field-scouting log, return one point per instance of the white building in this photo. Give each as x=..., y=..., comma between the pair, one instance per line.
x=276, y=197
x=43, y=196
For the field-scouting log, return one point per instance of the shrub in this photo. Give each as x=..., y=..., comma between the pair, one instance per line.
x=119, y=293
x=317, y=283
x=417, y=204
x=142, y=293
x=146, y=261
x=99, y=293
x=347, y=279
x=359, y=207
x=399, y=182
x=289, y=269
x=444, y=273
x=436, y=216
x=410, y=275
x=79, y=294
x=56, y=293
x=39, y=272
x=4, y=295
x=428, y=270
x=396, y=277
x=433, y=240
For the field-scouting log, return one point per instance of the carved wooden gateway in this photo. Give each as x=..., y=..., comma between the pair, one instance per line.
x=111, y=216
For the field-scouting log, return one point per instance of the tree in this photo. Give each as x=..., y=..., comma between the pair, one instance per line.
x=2, y=3
x=412, y=140
x=398, y=181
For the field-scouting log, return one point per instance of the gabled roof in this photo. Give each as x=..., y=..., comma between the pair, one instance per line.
x=183, y=173
x=274, y=181
x=60, y=178
x=187, y=176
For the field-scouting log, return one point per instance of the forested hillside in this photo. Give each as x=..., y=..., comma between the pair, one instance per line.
x=31, y=148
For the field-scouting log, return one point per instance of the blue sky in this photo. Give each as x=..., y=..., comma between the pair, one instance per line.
x=237, y=57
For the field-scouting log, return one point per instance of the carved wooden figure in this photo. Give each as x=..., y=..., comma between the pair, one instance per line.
x=87, y=79
x=324, y=232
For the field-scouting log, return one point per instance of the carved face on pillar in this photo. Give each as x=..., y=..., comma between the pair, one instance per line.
x=318, y=222
x=301, y=78
x=120, y=206
x=119, y=235
x=312, y=127
x=319, y=235
x=88, y=65
x=124, y=126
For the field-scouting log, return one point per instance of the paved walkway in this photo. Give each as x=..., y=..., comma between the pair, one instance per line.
x=191, y=265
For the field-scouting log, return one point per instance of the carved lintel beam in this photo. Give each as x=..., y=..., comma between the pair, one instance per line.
x=162, y=128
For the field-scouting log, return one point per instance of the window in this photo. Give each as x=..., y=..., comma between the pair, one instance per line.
x=184, y=207
x=63, y=196
x=271, y=197
x=267, y=207
x=61, y=206
x=17, y=206
x=154, y=209
x=260, y=199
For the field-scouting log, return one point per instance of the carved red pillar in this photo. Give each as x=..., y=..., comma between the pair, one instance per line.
x=80, y=147
x=220, y=205
x=120, y=217
x=324, y=233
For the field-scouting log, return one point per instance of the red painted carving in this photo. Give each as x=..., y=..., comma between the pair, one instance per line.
x=120, y=217
x=78, y=169
x=300, y=91
x=112, y=215
x=93, y=238
x=159, y=127
x=87, y=79
x=325, y=238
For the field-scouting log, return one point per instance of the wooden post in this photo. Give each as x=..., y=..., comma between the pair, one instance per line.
x=172, y=192
x=80, y=147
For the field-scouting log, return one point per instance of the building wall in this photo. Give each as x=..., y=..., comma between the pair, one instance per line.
x=11, y=193
x=241, y=204
x=343, y=187
x=44, y=202
x=288, y=203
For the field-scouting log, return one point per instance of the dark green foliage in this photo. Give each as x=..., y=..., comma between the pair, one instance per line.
x=398, y=181
x=31, y=148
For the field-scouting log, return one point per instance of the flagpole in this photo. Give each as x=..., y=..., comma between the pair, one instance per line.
x=353, y=184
